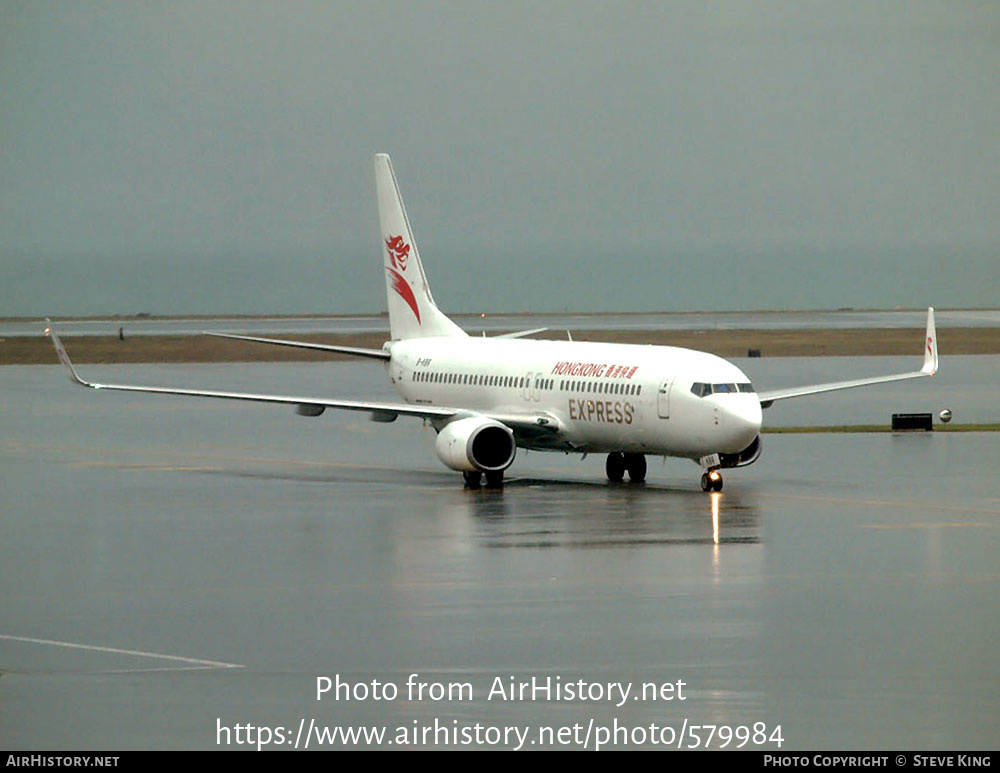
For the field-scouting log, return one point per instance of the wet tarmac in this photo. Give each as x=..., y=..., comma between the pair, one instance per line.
x=169, y=567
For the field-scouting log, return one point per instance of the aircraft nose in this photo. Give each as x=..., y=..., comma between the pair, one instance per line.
x=742, y=422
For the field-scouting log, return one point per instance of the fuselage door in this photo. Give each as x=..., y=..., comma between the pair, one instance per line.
x=663, y=400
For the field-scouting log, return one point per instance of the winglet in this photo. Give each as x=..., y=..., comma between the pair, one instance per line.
x=930, y=345
x=61, y=351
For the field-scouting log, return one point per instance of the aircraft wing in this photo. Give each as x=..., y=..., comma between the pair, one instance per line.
x=929, y=369
x=377, y=354
x=533, y=424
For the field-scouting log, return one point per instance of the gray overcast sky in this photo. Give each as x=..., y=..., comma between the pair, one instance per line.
x=216, y=156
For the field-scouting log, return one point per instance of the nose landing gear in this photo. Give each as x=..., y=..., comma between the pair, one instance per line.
x=711, y=481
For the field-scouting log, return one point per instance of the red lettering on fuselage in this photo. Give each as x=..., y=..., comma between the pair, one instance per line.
x=593, y=370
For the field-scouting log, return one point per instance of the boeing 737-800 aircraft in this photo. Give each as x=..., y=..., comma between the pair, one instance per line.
x=486, y=397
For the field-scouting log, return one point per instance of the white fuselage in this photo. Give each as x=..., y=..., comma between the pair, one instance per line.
x=606, y=397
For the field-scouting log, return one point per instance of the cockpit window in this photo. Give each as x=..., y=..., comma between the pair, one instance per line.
x=704, y=390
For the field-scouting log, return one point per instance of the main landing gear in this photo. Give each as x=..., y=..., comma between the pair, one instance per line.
x=618, y=463
x=494, y=479
x=711, y=481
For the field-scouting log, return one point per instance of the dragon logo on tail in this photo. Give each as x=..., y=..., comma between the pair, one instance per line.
x=399, y=251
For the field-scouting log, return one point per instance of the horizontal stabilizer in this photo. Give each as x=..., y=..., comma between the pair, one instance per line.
x=522, y=333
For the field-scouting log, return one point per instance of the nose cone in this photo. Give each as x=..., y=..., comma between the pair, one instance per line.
x=741, y=422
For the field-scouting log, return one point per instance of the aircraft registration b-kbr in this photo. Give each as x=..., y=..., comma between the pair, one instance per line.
x=486, y=397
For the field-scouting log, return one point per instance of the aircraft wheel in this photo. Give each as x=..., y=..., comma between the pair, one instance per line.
x=473, y=479
x=494, y=479
x=615, y=467
x=636, y=466
x=711, y=481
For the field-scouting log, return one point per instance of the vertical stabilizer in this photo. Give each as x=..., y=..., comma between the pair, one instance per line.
x=412, y=312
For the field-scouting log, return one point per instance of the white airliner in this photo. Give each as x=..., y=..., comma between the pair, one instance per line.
x=486, y=397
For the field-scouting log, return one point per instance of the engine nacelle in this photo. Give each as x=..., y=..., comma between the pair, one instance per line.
x=476, y=444
x=748, y=455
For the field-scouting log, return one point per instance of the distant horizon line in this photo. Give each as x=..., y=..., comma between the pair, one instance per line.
x=147, y=316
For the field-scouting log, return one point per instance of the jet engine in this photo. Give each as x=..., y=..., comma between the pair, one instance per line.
x=476, y=444
x=748, y=455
